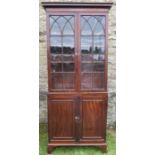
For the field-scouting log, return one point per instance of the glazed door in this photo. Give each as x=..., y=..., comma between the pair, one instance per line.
x=92, y=52
x=77, y=55
x=62, y=53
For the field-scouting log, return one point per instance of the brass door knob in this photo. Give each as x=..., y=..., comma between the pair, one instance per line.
x=77, y=117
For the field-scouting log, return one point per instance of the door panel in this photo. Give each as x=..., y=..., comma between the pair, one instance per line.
x=92, y=118
x=61, y=119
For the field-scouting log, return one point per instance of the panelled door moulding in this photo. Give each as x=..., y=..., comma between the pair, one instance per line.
x=77, y=48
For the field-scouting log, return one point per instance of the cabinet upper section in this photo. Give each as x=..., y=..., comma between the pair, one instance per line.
x=77, y=46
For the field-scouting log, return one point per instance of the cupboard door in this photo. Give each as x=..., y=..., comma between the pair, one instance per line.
x=61, y=119
x=93, y=119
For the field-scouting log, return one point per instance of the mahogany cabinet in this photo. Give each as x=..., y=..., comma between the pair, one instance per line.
x=77, y=73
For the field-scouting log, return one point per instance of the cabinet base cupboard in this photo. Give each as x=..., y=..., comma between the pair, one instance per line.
x=77, y=47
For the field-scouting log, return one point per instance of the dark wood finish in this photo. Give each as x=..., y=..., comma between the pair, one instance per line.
x=77, y=86
x=77, y=4
x=92, y=116
x=61, y=115
x=50, y=148
x=103, y=148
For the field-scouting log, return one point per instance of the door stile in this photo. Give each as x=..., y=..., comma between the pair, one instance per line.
x=48, y=51
x=106, y=53
x=77, y=119
x=78, y=53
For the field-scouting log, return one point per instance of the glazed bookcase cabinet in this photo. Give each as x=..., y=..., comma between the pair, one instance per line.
x=77, y=73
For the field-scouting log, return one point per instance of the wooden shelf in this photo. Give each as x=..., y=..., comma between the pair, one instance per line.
x=62, y=72
x=93, y=62
x=62, y=62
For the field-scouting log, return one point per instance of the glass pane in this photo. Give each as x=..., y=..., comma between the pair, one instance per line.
x=99, y=27
x=68, y=57
x=86, y=77
x=55, y=50
x=101, y=19
x=97, y=57
x=86, y=44
x=69, y=26
x=87, y=67
x=92, y=21
x=56, y=30
x=68, y=67
x=98, y=80
x=86, y=41
x=61, y=22
x=86, y=50
x=86, y=80
x=98, y=41
x=82, y=22
x=101, y=57
x=98, y=67
x=54, y=27
x=62, y=25
x=56, y=67
x=68, y=44
x=55, y=41
x=68, y=80
x=98, y=50
x=68, y=41
x=68, y=50
x=51, y=20
x=56, y=57
x=85, y=26
x=95, y=67
x=87, y=57
x=86, y=85
x=92, y=25
x=57, y=81
x=86, y=30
